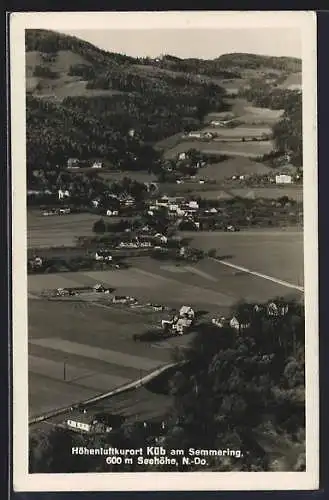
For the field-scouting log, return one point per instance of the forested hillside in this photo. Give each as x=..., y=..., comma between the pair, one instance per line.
x=83, y=101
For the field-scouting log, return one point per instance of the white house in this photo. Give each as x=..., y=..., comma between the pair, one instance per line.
x=283, y=179
x=162, y=238
x=63, y=194
x=197, y=135
x=79, y=426
x=112, y=213
x=73, y=163
x=193, y=204
x=237, y=325
x=97, y=164
x=102, y=255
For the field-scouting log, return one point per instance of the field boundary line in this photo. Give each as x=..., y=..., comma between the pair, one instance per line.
x=259, y=275
x=131, y=385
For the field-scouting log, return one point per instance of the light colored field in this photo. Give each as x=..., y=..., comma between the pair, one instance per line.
x=293, y=81
x=250, y=114
x=245, y=149
x=237, y=132
x=277, y=253
x=264, y=112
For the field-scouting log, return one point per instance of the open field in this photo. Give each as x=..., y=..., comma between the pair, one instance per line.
x=135, y=404
x=233, y=166
x=272, y=192
x=278, y=253
x=293, y=81
x=136, y=176
x=256, y=121
x=237, y=132
x=95, y=340
x=64, y=85
x=92, y=345
x=213, y=192
x=248, y=113
x=247, y=149
x=58, y=230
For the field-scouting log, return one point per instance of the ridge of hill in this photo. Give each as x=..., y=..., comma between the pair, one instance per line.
x=255, y=61
x=62, y=65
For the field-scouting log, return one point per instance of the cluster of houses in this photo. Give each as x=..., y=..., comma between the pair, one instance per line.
x=183, y=212
x=180, y=323
x=273, y=309
x=278, y=177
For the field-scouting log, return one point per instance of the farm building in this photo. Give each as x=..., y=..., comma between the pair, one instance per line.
x=97, y=164
x=196, y=135
x=103, y=255
x=63, y=193
x=73, y=163
x=124, y=299
x=112, y=213
x=100, y=423
x=283, y=179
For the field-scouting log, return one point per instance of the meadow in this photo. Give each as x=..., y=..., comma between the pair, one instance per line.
x=93, y=338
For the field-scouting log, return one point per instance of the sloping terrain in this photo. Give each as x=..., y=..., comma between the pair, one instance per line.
x=82, y=101
x=233, y=166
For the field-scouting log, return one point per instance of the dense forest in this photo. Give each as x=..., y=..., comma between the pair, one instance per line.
x=242, y=389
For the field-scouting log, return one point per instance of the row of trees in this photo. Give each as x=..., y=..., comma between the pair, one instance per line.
x=235, y=388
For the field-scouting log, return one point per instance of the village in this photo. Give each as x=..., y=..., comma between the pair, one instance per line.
x=164, y=252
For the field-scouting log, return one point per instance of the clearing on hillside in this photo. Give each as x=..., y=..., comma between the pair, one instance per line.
x=247, y=149
x=232, y=166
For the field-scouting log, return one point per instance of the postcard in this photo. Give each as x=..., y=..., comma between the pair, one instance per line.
x=164, y=251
